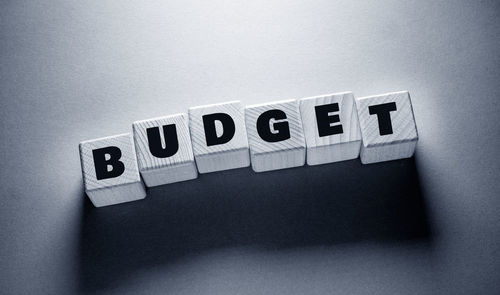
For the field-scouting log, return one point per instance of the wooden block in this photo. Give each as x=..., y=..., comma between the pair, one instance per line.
x=110, y=173
x=275, y=135
x=387, y=127
x=164, y=150
x=219, y=137
x=331, y=128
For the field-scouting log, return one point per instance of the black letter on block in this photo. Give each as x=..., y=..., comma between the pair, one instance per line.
x=171, y=141
x=228, y=128
x=383, y=115
x=281, y=130
x=101, y=163
x=325, y=121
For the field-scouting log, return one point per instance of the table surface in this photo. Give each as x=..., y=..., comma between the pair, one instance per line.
x=73, y=70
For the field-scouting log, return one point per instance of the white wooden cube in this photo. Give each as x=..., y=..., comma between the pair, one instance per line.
x=219, y=137
x=275, y=135
x=331, y=128
x=387, y=126
x=164, y=150
x=110, y=172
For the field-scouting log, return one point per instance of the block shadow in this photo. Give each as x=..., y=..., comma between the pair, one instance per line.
x=322, y=205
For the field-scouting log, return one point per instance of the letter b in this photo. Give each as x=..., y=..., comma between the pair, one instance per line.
x=108, y=157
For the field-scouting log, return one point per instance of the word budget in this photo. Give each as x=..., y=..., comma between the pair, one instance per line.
x=270, y=136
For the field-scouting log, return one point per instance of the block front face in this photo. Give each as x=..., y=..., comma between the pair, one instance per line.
x=331, y=128
x=117, y=194
x=219, y=136
x=274, y=129
x=164, y=150
x=388, y=152
x=109, y=152
x=388, y=127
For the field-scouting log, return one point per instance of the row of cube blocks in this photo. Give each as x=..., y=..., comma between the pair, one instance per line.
x=283, y=134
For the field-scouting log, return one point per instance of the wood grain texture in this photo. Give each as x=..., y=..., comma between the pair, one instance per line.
x=230, y=155
x=332, y=148
x=158, y=171
x=266, y=156
x=126, y=187
x=398, y=145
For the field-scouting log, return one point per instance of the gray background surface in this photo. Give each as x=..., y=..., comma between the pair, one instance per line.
x=75, y=70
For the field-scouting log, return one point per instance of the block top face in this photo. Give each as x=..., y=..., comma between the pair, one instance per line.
x=126, y=146
x=291, y=109
x=177, y=128
x=347, y=118
x=398, y=106
x=222, y=127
